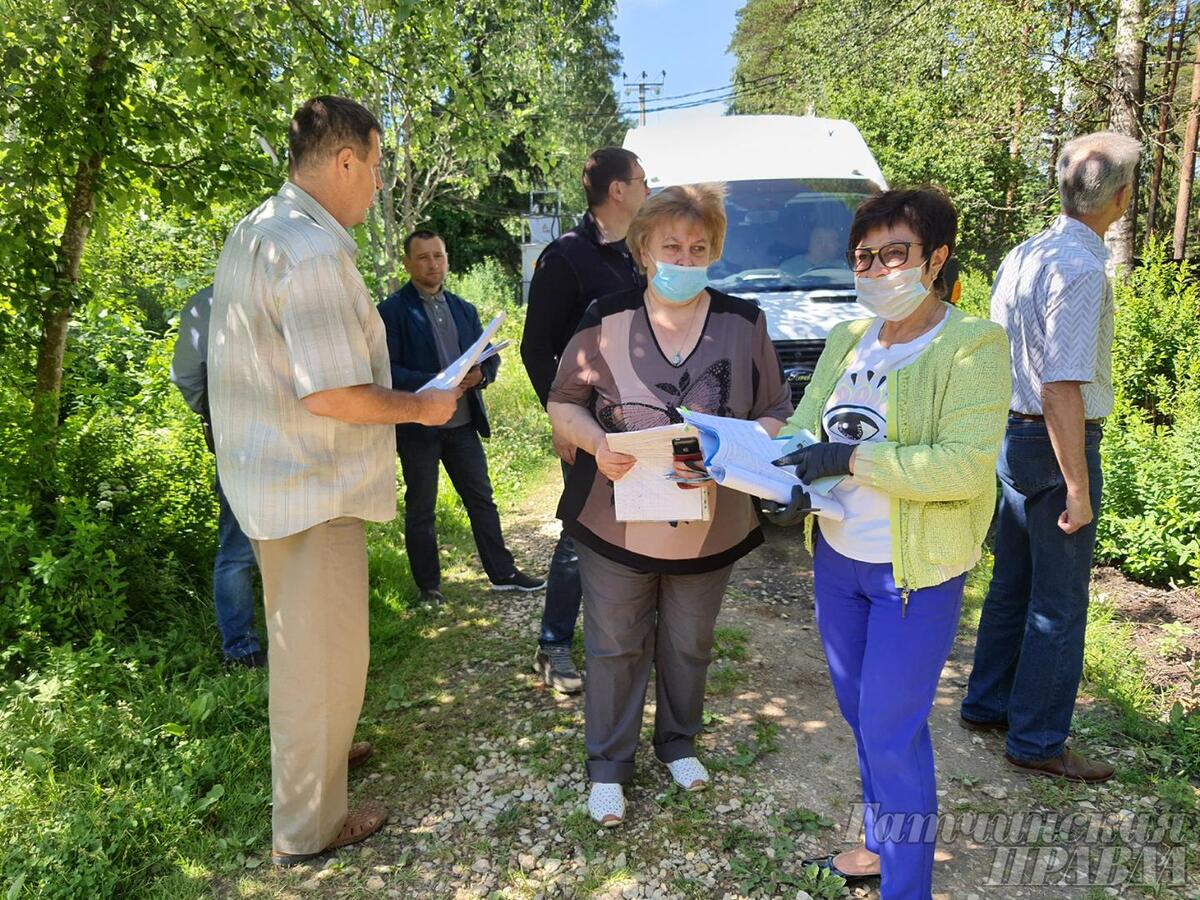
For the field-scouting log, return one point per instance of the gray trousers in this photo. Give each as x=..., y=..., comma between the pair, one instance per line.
x=631, y=619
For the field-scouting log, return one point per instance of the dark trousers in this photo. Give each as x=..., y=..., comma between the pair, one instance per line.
x=461, y=451
x=1029, y=650
x=632, y=620
x=563, y=590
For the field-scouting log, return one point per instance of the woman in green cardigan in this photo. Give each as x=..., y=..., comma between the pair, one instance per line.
x=910, y=406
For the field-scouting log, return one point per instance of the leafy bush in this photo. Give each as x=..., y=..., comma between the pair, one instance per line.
x=520, y=440
x=976, y=297
x=134, y=525
x=1150, y=524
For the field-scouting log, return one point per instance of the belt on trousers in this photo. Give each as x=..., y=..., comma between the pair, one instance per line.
x=1029, y=417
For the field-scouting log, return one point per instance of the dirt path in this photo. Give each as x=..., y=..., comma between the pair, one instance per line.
x=815, y=764
x=509, y=820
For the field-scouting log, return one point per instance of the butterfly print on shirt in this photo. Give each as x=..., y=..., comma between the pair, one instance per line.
x=709, y=394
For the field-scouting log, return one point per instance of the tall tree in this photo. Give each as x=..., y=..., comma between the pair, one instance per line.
x=1176, y=42
x=1129, y=79
x=1187, y=165
x=103, y=100
x=458, y=87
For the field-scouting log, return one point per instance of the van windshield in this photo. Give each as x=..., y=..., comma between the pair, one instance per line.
x=788, y=234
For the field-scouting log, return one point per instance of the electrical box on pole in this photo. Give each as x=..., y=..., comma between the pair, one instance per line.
x=541, y=225
x=644, y=88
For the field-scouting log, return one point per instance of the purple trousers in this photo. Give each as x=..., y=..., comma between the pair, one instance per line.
x=885, y=663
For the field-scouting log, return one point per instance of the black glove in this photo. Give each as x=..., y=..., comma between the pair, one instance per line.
x=793, y=513
x=819, y=460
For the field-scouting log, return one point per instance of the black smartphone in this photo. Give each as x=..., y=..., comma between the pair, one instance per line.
x=686, y=448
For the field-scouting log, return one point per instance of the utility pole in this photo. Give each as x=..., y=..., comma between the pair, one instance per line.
x=643, y=88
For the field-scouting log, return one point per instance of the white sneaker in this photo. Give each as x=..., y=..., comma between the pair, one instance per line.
x=606, y=803
x=689, y=774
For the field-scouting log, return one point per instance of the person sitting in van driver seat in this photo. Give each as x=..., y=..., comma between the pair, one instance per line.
x=826, y=249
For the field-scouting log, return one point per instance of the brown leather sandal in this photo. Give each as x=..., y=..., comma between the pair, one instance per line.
x=361, y=822
x=359, y=754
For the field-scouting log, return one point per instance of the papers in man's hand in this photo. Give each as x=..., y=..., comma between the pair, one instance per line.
x=645, y=494
x=490, y=351
x=476, y=353
x=738, y=454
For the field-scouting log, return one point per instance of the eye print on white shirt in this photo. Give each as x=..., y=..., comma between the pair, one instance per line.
x=857, y=411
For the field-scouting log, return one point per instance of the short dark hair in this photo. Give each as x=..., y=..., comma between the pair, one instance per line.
x=603, y=167
x=324, y=125
x=927, y=210
x=422, y=234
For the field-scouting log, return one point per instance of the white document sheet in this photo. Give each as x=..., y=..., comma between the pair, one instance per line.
x=645, y=494
x=739, y=454
x=489, y=352
x=457, y=370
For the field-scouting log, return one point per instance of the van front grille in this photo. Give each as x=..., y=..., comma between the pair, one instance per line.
x=798, y=359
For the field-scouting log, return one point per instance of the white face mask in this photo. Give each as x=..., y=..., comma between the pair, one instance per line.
x=894, y=296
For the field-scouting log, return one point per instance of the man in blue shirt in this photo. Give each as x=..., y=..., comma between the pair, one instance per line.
x=427, y=329
x=233, y=569
x=1053, y=297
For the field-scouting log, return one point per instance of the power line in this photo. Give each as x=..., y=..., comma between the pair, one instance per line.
x=712, y=90
x=737, y=84
x=732, y=92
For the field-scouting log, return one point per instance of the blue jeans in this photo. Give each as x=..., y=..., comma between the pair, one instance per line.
x=563, y=590
x=1029, y=650
x=885, y=661
x=233, y=584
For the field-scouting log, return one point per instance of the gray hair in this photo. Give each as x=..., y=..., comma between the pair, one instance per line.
x=1092, y=168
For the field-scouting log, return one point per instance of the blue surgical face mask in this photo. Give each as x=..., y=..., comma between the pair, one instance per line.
x=678, y=284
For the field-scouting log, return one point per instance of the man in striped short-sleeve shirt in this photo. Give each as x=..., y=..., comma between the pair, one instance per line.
x=1053, y=297
x=302, y=411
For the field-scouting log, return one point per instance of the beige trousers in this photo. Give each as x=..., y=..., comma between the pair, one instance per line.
x=315, y=593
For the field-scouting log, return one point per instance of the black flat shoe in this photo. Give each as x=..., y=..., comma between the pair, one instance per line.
x=827, y=865
x=975, y=725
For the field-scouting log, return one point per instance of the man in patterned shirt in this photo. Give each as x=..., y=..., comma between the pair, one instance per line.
x=1053, y=297
x=303, y=411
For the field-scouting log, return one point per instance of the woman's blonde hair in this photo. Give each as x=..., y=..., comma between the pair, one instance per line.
x=703, y=203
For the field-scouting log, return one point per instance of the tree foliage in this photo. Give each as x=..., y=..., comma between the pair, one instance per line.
x=977, y=95
x=132, y=136
x=110, y=109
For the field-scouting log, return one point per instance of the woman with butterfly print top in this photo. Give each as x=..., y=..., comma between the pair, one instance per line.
x=653, y=589
x=911, y=406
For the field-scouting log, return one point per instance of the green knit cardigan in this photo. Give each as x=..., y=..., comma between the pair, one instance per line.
x=945, y=420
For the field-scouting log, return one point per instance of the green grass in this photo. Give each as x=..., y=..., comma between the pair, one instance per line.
x=730, y=644
x=1165, y=738
x=725, y=679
